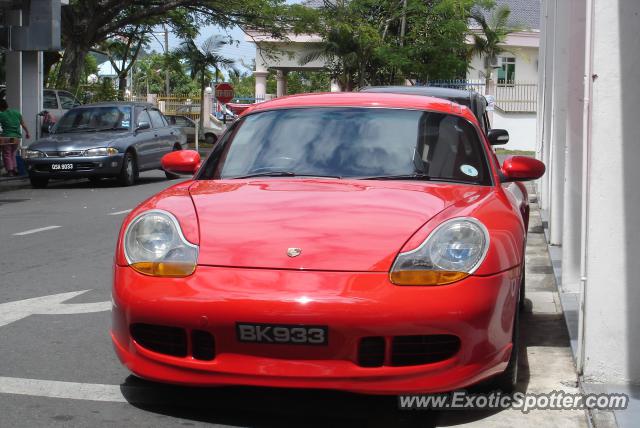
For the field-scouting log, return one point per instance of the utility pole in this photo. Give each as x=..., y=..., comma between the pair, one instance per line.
x=167, y=82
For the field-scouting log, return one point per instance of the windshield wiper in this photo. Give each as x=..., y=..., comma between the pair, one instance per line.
x=414, y=176
x=113, y=128
x=280, y=174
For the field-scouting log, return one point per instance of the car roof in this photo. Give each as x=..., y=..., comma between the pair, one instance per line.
x=364, y=99
x=118, y=103
x=466, y=97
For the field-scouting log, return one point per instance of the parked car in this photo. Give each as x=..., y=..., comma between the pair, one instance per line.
x=471, y=99
x=103, y=140
x=187, y=126
x=360, y=241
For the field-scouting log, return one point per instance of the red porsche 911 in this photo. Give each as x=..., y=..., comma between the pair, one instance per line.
x=363, y=242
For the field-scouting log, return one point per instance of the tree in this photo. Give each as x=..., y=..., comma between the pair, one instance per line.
x=87, y=23
x=199, y=60
x=373, y=42
x=123, y=50
x=490, y=43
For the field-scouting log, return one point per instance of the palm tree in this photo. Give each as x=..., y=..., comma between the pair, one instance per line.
x=199, y=59
x=490, y=43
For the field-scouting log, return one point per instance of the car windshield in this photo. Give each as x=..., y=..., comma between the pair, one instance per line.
x=102, y=118
x=349, y=142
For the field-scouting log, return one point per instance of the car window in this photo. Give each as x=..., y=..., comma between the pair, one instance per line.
x=183, y=122
x=49, y=100
x=142, y=116
x=356, y=143
x=67, y=101
x=156, y=119
x=103, y=118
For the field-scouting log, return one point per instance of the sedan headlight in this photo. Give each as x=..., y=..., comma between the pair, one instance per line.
x=101, y=151
x=154, y=245
x=453, y=251
x=32, y=154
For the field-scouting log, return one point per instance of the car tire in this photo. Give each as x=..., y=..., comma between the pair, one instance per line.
x=39, y=182
x=507, y=380
x=129, y=172
x=522, y=302
x=210, y=139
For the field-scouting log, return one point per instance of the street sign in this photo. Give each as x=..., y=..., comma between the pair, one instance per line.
x=224, y=93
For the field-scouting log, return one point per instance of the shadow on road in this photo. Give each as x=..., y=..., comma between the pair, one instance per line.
x=104, y=183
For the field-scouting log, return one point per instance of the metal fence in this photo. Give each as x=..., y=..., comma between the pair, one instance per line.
x=512, y=97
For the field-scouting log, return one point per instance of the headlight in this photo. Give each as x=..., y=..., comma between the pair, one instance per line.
x=101, y=151
x=453, y=251
x=154, y=245
x=31, y=154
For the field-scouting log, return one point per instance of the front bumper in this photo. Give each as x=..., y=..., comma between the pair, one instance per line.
x=478, y=310
x=96, y=166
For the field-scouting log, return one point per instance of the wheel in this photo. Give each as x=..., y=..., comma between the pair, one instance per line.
x=507, y=380
x=210, y=139
x=39, y=182
x=521, y=302
x=129, y=172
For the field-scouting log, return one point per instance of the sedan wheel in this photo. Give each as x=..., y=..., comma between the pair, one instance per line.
x=210, y=139
x=129, y=172
x=39, y=182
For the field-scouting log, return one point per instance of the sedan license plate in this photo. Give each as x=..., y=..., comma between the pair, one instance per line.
x=61, y=167
x=289, y=334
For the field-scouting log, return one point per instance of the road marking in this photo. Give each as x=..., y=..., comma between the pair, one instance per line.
x=121, y=212
x=59, y=389
x=48, y=305
x=29, y=232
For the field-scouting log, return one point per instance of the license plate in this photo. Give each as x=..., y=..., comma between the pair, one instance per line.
x=278, y=334
x=61, y=167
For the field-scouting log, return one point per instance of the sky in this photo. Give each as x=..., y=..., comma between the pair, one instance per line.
x=241, y=51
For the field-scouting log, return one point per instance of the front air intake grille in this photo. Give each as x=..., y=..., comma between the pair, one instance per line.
x=371, y=351
x=161, y=339
x=416, y=350
x=202, y=345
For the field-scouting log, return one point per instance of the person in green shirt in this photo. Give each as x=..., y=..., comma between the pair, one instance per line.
x=11, y=121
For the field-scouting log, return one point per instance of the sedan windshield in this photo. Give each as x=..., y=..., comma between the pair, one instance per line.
x=102, y=118
x=346, y=142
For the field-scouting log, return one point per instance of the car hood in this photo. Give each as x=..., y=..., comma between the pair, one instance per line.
x=338, y=225
x=78, y=140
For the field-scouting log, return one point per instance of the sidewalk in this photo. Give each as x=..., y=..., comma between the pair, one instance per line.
x=546, y=362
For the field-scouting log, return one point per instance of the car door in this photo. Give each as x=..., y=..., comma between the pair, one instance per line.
x=144, y=139
x=163, y=136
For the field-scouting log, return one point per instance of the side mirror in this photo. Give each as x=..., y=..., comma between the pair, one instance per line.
x=498, y=137
x=142, y=126
x=522, y=168
x=185, y=162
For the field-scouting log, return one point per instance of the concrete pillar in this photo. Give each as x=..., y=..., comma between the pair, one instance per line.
x=14, y=67
x=549, y=8
x=31, y=91
x=261, y=85
x=612, y=270
x=571, y=229
x=281, y=83
x=559, y=123
x=207, y=103
x=335, y=87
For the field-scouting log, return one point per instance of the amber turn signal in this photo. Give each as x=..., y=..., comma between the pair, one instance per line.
x=165, y=269
x=426, y=277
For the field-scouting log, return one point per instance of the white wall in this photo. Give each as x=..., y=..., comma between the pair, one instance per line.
x=521, y=127
x=526, y=64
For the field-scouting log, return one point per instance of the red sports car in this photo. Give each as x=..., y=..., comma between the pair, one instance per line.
x=363, y=242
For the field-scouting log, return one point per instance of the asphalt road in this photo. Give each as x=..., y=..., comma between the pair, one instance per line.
x=57, y=367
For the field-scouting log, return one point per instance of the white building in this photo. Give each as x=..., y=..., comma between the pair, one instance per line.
x=589, y=136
